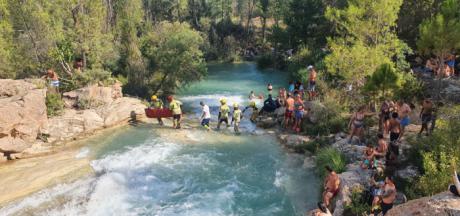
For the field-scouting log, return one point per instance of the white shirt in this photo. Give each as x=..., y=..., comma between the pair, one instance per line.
x=207, y=114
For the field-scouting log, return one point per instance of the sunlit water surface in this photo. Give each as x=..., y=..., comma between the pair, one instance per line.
x=142, y=172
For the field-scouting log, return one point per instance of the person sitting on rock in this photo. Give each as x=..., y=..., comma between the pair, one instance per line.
x=377, y=182
x=369, y=161
x=382, y=148
x=331, y=185
x=387, y=195
x=269, y=105
x=455, y=188
x=322, y=210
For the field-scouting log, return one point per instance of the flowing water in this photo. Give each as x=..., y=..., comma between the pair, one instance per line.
x=148, y=170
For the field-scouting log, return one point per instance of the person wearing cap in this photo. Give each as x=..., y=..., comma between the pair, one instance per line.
x=223, y=113
x=175, y=107
x=311, y=82
x=157, y=104
x=255, y=110
x=205, y=116
x=236, y=118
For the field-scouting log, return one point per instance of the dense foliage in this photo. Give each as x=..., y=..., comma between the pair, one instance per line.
x=330, y=157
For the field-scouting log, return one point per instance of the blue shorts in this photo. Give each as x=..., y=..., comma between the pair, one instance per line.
x=205, y=122
x=405, y=121
x=312, y=86
x=298, y=114
x=54, y=83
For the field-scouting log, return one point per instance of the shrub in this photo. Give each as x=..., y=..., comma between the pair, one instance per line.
x=332, y=118
x=54, y=104
x=411, y=89
x=359, y=202
x=438, y=154
x=330, y=157
x=88, y=77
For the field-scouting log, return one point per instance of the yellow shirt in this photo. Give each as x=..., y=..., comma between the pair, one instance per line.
x=174, y=106
x=237, y=116
x=224, y=110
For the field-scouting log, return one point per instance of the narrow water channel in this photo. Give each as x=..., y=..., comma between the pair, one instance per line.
x=148, y=170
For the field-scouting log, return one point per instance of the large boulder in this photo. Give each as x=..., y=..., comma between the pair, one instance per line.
x=354, y=177
x=122, y=110
x=74, y=123
x=24, y=114
x=316, y=110
x=292, y=141
x=444, y=204
x=92, y=96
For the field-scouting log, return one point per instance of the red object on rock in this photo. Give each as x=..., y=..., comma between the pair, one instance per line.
x=158, y=113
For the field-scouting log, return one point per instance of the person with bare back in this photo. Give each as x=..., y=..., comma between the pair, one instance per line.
x=331, y=186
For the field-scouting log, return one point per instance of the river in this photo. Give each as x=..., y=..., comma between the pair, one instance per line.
x=152, y=170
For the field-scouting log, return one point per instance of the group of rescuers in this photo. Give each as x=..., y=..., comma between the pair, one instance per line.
x=224, y=112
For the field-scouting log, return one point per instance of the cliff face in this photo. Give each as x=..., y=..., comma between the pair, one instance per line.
x=23, y=115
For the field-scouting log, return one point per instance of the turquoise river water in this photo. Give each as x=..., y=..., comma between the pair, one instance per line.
x=148, y=170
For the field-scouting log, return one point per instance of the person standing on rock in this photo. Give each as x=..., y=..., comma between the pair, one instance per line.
x=331, y=185
x=53, y=79
x=224, y=110
x=288, y=115
x=205, y=116
x=311, y=83
x=299, y=111
x=426, y=115
x=403, y=111
x=356, y=124
x=395, y=133
x=175, y=107
x=157, y=104
x=236, y=118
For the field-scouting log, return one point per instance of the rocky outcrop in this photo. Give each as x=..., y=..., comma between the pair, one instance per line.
x=353, y=178
x=316, y=110
x=444, y=204
x=23, y=114
x=92, y=96
x=107, y=109
x=292, y=141
x=24, y=117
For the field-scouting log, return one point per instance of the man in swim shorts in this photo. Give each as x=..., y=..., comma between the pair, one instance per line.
x=403, y=111
x=288, y=115
x=331, y=186
x=311, y=82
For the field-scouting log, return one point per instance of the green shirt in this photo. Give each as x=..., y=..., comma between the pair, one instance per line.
x=237, y=116
x=224, y=110
x=174, y=106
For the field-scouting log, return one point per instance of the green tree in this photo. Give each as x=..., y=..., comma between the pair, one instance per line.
x=131, y=62
x=366, y=39
x=176, y=59
x=306, y=22
x=6, y=33
x=440, y=35
x=385, y=80
x=411, y=15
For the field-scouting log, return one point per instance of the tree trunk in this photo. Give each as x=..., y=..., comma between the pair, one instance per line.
x=163, y=79
x=264, y=25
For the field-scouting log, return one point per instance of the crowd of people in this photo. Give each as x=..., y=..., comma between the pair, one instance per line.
x=434, y=66
x=394, y=117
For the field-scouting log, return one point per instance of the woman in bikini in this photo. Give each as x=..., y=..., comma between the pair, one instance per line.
x=356, y=124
